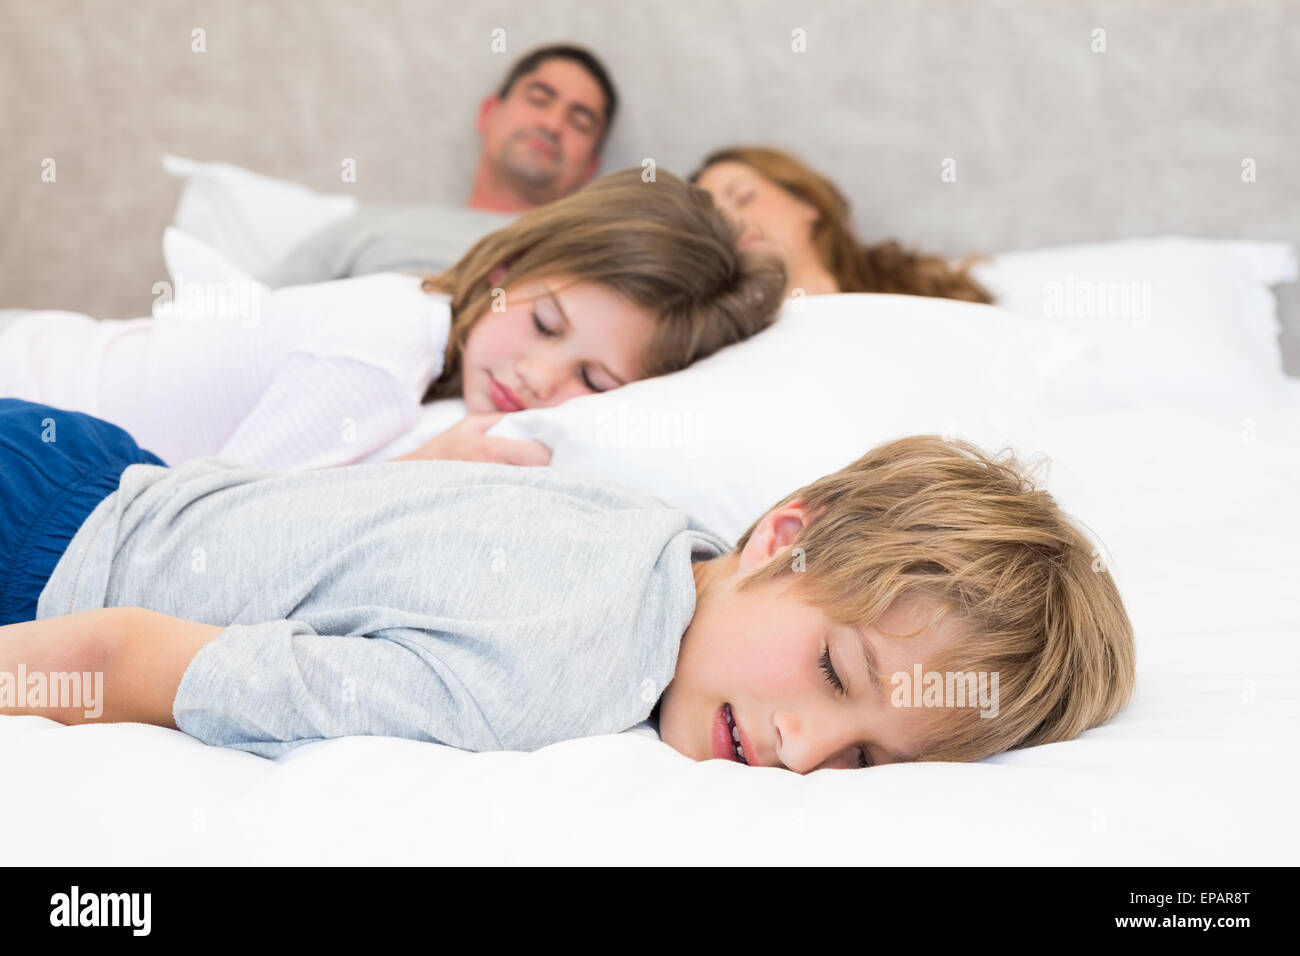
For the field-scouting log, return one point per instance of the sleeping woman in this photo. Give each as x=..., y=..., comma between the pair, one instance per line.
x=784, y=205
x=623, y=280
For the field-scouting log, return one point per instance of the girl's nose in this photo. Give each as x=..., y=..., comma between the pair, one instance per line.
x=540, y=379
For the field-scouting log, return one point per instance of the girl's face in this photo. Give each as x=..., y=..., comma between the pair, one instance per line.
x=546, y=341
x=766, y=212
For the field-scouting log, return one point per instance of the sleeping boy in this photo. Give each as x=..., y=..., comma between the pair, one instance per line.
x=495, y=607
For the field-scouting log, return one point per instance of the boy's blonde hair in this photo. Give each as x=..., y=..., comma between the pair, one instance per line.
x=1031, y=598
x=663, y=245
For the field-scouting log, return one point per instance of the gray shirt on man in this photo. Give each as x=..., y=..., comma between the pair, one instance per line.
x=412, y=239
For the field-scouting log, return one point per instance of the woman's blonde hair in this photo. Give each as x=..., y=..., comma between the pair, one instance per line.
x=661, y=244
x=1030, y=598
x=883, y=267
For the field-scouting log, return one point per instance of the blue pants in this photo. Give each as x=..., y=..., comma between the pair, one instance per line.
x=55, y=467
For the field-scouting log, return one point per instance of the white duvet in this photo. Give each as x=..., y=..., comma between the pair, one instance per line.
x=1200, y=516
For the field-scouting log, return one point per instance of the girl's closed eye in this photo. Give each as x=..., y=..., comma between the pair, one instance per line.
x=834, y=679
x=549, y=333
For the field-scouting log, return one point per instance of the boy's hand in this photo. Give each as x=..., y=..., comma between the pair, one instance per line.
x=466, y=441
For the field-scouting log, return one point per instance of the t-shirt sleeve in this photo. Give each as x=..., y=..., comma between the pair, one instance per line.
x=267, y=688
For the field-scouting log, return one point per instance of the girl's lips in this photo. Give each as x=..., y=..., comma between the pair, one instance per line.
x=504, y=399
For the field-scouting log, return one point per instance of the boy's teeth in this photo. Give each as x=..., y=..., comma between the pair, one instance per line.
x=735, y=735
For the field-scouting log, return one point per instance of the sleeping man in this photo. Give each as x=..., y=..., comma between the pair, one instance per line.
x=542, y=134
x=493, y=607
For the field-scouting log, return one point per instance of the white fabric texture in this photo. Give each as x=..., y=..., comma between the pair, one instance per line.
x=1171, y=319
x=251, y=219
x=835, y=375
x=300, y=377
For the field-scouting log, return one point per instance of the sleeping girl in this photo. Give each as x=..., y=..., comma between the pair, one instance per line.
x=623, y=280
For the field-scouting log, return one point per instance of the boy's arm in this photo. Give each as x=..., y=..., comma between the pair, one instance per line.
x=141, y=654
x=266, y=688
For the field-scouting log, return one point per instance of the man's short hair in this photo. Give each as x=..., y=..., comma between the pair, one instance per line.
x=583, y=58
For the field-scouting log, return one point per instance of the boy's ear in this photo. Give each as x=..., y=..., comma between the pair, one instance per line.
x=779, y=528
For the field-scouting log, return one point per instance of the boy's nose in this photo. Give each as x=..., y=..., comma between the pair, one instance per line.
x=804, y=745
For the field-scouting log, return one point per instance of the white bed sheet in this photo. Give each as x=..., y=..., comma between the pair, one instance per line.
x=1202, y=528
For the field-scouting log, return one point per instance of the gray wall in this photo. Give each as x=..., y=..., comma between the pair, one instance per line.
x=1054, y=143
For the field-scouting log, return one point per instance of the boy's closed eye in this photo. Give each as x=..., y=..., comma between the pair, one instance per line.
x=864, y=760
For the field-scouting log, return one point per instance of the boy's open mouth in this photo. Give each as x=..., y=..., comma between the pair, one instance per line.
x=726, y=736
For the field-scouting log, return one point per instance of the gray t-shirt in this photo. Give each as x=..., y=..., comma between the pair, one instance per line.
x=482, y=606
x=414, y=239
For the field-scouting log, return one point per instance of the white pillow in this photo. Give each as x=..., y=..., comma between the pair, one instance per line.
x=1174, y=320
x=204, y=282
x=251, y=219
x=836, y=375
x=384, y=319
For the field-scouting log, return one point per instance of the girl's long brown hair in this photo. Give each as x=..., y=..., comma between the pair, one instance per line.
x=883, y=267
x=659, y=242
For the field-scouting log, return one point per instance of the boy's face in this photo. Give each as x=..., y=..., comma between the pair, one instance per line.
x=760, y=651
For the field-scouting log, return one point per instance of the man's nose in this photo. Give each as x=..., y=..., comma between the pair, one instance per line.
x=550, y=119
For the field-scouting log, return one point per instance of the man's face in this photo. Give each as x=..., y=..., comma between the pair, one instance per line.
x=761, y=651
x=555, y=340
x=542, y=137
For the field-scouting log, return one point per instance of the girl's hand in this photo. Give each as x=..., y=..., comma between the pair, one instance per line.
x=466, y=441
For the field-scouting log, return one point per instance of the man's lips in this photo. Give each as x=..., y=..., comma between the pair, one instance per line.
x=542, y=145
x=504, y=399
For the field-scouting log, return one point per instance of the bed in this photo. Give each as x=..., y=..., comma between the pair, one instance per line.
x=1185, y=474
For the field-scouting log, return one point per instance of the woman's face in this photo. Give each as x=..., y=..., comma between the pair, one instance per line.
x=765, y=211
x=545, y=341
